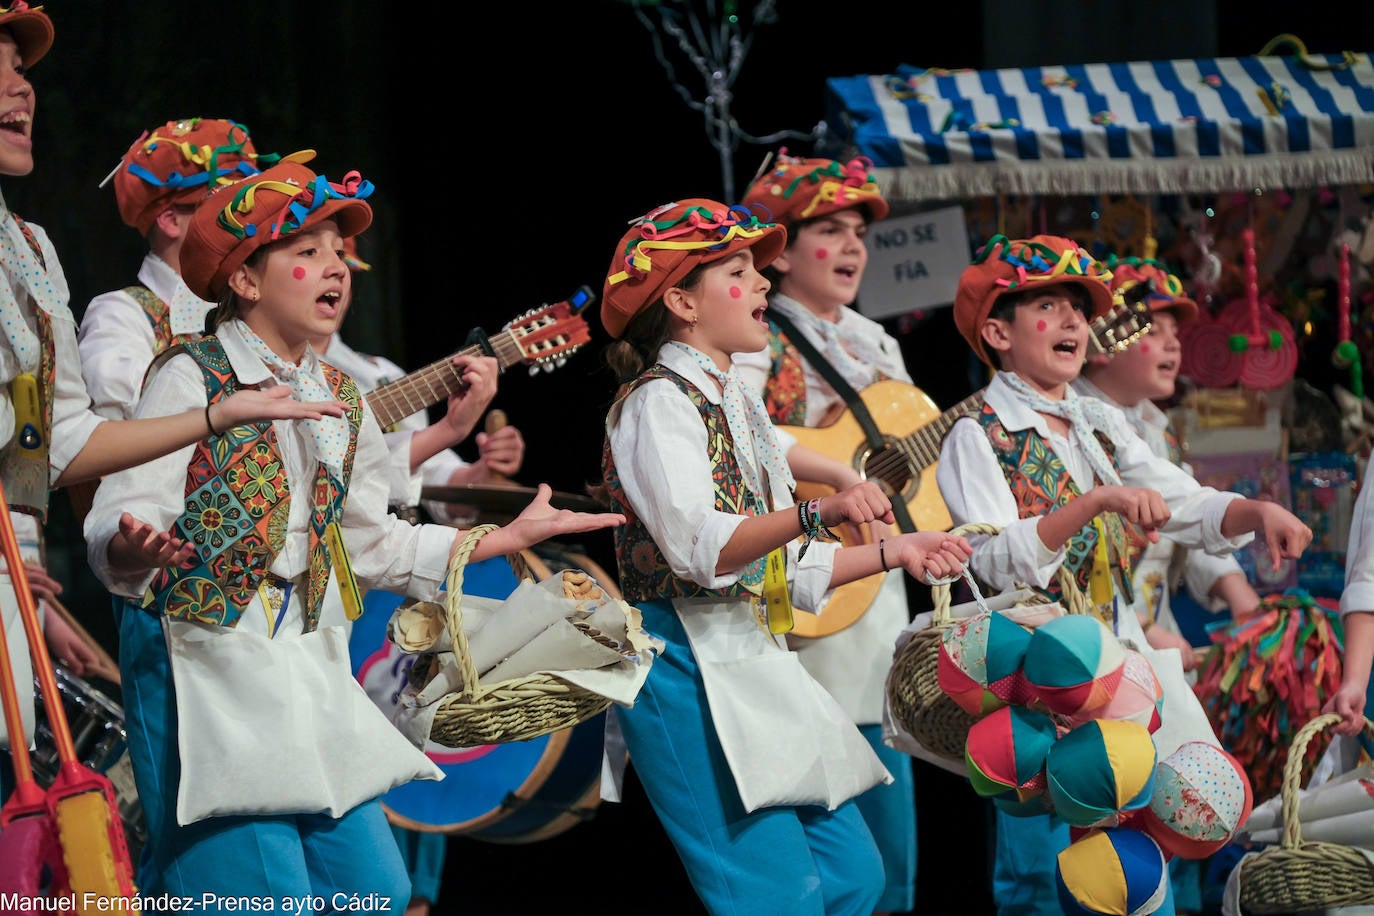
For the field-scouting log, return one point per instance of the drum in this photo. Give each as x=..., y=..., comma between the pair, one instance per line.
x=97, y=726
x=518, y=792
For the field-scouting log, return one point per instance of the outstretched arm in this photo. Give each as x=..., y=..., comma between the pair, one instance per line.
x=119, y=444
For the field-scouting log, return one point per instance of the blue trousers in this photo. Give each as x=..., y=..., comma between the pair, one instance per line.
x=785, y=860
x=890, y=813
x=351, y=862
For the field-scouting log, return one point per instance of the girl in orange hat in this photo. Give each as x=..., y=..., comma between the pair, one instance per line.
x=751, y=765
x=49, y=437
x=243, y=556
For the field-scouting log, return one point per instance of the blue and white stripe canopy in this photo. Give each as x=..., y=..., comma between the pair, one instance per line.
x=1204, y=125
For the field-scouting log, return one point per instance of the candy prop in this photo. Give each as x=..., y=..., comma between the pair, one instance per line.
x=1201, y=797
x=1006, y=751
x=1120, y=872
x=980, y=662
x=1207, y=355
x=1262, y=678
x=1261, y=334
x=1099, y=771
x=1073, y=664
x=1347, y=353
x=1139, y=697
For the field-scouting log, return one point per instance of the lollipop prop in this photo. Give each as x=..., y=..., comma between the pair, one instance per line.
x=1346, y=354
x=1257, y=336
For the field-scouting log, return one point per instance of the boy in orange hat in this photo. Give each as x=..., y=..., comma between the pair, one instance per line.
x=750, y=764
x=1069, y=483
x=826, y=207
x=243, y=556
x=49, y=437
x=158, y=182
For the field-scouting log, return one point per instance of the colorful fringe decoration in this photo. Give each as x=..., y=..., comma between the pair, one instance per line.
x=1267, y=677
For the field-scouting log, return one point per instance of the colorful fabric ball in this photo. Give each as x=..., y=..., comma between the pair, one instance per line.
x=1138, y=698
x=1074, y=664
x=1115, y=871
x=1201, y=797
x=980, y=662
x=1005, y=752
x=1100, y=770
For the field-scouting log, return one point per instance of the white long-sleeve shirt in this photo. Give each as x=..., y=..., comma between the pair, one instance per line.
x=974, y=488
x=386, y=552
x=117, y=342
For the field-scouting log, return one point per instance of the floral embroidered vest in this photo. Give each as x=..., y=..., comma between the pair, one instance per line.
x=159, y=316
x=237, y=505
x=1040, y=482
x=27, y=479
x=644, y=572
x=784, y=395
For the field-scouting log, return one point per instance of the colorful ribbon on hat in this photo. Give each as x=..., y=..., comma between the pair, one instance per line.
x=207, y=157
x=300, y=203
x=849, y=181
x=1173, y=286
x=661, y=235
x=1037, y=261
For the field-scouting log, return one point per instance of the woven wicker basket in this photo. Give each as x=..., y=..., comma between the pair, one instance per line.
x=1301, y=875
x=914, y=696
x=516, y=709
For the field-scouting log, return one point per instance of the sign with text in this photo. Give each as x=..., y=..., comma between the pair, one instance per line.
x=914, y=262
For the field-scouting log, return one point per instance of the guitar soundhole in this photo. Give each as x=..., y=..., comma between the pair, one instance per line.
x=888, y=467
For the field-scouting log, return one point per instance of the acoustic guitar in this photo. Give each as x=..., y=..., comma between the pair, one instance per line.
x=913, y=428
x=543, y=338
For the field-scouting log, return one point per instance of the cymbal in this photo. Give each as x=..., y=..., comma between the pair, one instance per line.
x=509, y=500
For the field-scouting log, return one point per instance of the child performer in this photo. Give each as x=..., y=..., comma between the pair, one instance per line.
x=826, y=207
x=1133, y=380
x=1057, y=472
x=49, y=437
x=1353, y=697
x=231, y=553
x=746, y=759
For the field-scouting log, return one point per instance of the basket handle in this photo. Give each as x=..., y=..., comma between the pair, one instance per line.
x=1075, y=601
x=1292, y=772
x=453, y=602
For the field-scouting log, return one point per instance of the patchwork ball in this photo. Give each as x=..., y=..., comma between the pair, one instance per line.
x=1117, y=871
x=1100, y=770
x=980, y=662
x=1073, y=664
x=1201, y=797
x=1006, y=750
x=1034, y=806
x=1139, y=697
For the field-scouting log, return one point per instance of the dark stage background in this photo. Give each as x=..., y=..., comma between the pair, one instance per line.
x=510, y=144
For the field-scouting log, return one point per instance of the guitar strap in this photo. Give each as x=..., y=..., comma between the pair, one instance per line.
x=872, y=434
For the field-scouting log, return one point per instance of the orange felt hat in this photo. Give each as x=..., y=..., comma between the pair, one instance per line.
x=181, y=162
x=1012, y=265
x=1168, y=294
x=239, y=218
x=31, y=28
x=665, y=245
x=794, y=190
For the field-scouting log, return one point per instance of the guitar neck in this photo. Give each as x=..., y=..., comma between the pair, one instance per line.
x=922, y=448
x=394, y=401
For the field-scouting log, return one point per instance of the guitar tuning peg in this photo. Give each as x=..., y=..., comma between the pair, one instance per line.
x=534, y=369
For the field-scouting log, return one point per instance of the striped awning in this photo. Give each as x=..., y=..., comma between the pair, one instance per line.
x=1209, y=124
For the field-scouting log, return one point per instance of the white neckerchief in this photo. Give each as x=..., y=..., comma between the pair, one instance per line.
x=854, y=356
x=330, y=434
x=1144, y=417
x=750, y=427
x=186, y=311
x=1084, y=414
x=48, y=290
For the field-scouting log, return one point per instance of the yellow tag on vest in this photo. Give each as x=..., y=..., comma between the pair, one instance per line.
x=777, y=602
x=28, y=418
x=1100, y=588
x=343, y=571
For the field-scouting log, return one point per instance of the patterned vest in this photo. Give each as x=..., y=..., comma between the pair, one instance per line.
x=159, y=316
x=644, y=572
x=237, y=505
x=784, y=394
x=26, y=479
x=1040, y=482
